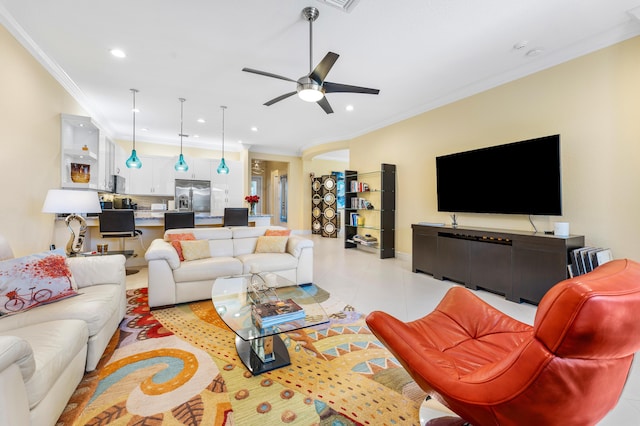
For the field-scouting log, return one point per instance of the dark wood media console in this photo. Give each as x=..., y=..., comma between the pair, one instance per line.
x=520, y=265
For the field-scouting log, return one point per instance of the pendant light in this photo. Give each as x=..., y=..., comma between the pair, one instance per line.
x=181, y=165
x=133, y=162
x=222, y=168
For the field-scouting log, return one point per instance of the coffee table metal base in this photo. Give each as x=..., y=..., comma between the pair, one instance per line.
x=252, y=361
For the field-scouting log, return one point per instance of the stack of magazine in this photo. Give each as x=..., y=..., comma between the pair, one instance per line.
x=276, y=312
x=366, y=240
x=586, y=259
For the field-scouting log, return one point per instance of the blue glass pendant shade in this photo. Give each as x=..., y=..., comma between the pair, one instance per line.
x=181, y=165
x=222, y=168
x=133, y=162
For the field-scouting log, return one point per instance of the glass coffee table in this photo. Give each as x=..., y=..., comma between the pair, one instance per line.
x=262, y=349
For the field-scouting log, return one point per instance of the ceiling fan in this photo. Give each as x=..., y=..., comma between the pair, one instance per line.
x=312, y=87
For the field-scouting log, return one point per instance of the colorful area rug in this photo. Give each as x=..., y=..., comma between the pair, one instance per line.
x=178, y=366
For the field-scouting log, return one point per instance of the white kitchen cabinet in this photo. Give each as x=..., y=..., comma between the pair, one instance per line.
x=79, y=142
x=155, y=177
x=227, y=190
x=106, y=162
x=199, y=169
x=120, y=161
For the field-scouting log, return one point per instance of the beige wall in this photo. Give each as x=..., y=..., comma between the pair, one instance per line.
x=593, y=102
x=30, y=105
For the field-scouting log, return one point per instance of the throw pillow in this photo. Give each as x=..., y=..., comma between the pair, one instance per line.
x=271, y=244
x=277, y=232
x=175, y=239
x=34, y=280
x=193, y=250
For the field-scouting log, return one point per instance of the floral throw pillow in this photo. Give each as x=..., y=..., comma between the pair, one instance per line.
x=34, y=280
x=175, y=239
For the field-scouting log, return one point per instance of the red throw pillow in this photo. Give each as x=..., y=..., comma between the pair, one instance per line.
x=175, y=239
x=277, y=232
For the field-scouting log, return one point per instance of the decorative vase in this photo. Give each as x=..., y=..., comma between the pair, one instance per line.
x=252, y=210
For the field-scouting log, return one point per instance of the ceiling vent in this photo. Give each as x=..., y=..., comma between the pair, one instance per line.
x=344, y=5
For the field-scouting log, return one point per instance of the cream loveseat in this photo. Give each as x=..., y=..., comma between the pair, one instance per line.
x=44, y=351
x=232, y=251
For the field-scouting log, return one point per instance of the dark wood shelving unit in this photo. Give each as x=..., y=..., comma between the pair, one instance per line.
x=383, y=199
x=520, y=265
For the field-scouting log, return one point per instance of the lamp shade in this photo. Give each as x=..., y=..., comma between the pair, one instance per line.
x=70, y=201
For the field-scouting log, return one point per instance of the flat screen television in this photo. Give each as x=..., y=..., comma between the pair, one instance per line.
x=515, y=178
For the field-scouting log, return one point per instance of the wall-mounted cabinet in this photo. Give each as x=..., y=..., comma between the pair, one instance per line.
x=106, y=163
x=370, y=209
x=79, y=141
x=199, y=169
x=155, y=177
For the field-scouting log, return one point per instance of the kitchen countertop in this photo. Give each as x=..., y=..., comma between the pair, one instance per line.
x=156, y=218
x=155, y=214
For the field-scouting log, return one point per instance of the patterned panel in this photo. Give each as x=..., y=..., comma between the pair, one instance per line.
x=316, y=205
x=329, y=207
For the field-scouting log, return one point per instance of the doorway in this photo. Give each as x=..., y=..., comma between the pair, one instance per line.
x=269, y=180
x=256, y=189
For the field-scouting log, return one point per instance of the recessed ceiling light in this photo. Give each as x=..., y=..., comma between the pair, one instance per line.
x=196, y=136
x=144, y=129
x=201, y=120
x=535, y=52
x=349, y=108
x=239, y=141
x=136, y=110
x=254, y=129
x=520, y=45
x=118, y=53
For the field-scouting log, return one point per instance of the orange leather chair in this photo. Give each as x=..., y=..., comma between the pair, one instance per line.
x=569, y=368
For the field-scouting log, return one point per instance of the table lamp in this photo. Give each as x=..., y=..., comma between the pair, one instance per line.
x=66, y=201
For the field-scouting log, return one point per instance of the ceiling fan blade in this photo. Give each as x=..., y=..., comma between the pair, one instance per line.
x=267, y=74
x=279, y=98
x=321, y=70
x=324, y=103
x=345, y=88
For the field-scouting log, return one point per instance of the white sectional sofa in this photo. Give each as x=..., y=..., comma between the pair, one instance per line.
x=45, y=351
x=232, y=252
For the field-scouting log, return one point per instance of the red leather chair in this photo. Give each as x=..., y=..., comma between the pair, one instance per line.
x=569, y=368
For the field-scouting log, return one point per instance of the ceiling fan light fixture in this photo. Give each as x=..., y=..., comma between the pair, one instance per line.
x=310, y=95
x=309, y=90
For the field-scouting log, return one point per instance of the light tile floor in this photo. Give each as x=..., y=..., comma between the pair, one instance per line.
x=368, y=283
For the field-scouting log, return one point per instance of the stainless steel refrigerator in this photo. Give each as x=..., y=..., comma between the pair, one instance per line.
x=193, y=195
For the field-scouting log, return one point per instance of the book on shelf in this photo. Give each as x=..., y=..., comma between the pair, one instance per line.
x=276, y=312
x=360, y=203
x=353, y=219
x=357, y=186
